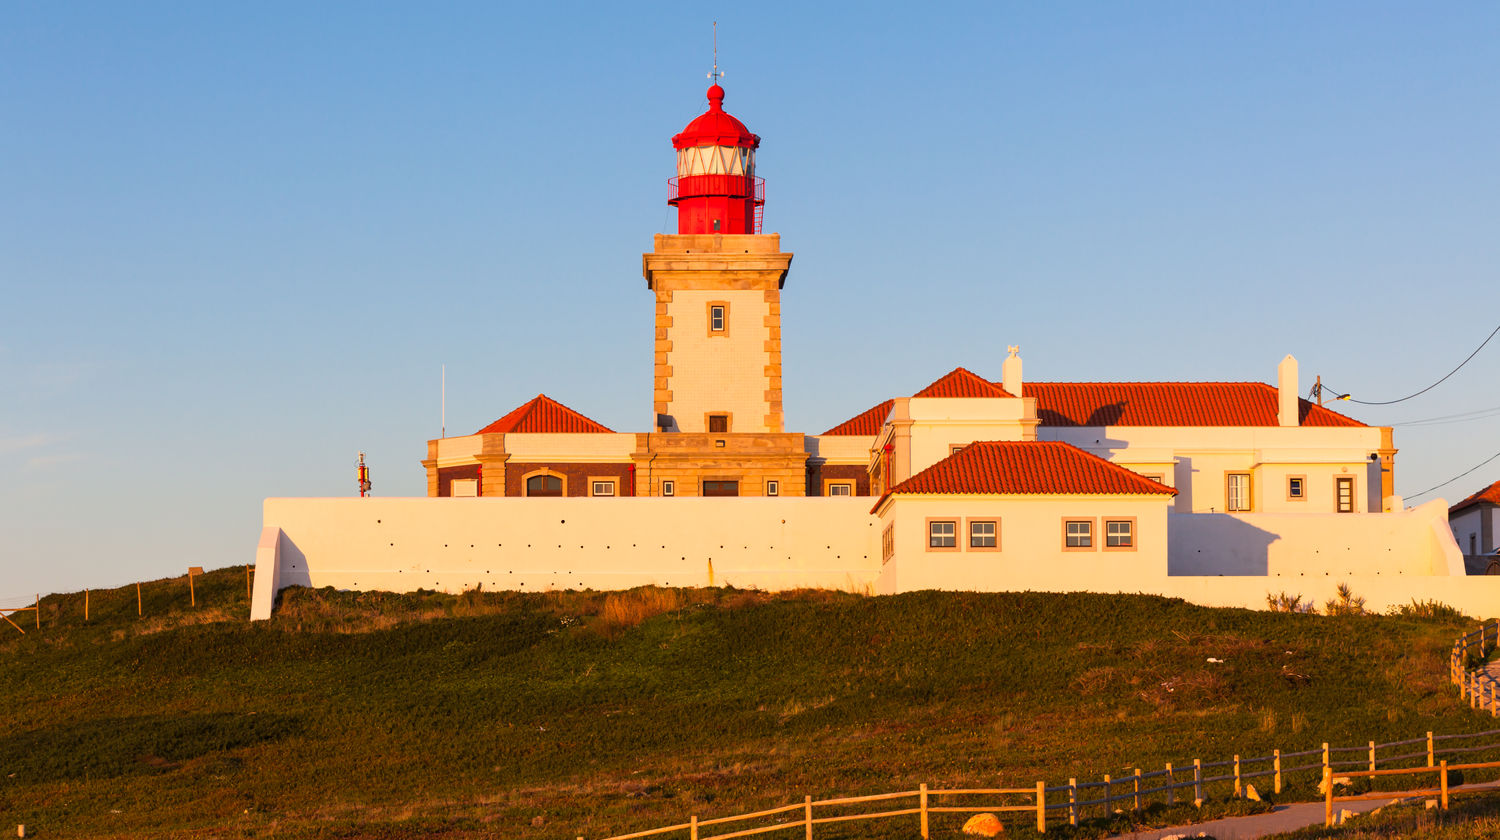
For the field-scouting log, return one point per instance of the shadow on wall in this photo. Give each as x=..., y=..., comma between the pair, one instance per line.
x=1216, y=544
x=293, y=565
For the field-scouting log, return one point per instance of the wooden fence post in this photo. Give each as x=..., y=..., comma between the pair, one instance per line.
x=1137, y=788
x=1073, y=801
x=39, y=611
x=1276, y=758
x=193, y=601
x=1372, y=755
x=807, y=814
x=137, y=599
x=1443, y=769
x=1171, y=780
x=1327, y=796
x=1041, y=807
x=923, y=794
x=693, y=827
x=1198, y=782
x=85, y=605
x=1327, y=765
x=249, y=592
x=1429, y=749
x=1238, y=788
x=1109, y=792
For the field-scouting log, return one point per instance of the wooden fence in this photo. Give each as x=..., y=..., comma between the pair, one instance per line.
x=1070, y=803
x=1476, y=684
x=88, y=597
x=13, y=610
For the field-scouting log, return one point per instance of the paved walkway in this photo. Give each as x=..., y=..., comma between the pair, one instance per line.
x=1286, y=817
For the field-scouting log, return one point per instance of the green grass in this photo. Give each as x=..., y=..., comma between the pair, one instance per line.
x=556, y=715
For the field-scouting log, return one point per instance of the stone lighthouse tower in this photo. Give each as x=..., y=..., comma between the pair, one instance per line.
x=717, y=407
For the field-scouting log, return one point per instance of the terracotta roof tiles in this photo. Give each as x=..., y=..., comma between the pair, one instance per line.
x=1490, y=494
x=1027, y=468
x=544, y=415
x=959, y=382
x=1168, y=404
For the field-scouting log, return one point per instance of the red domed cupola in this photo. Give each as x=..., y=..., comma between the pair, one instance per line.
x=716, y=190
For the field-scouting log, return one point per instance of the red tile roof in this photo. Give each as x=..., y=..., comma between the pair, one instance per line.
x=959, y=382
x=867, y=422
x=1489, y=494
x=1168, y=404
x=1027, y=468
x=544, y=415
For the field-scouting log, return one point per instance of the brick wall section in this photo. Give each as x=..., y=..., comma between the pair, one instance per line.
x=578, y=475
x=818, y=473
x=445, y=476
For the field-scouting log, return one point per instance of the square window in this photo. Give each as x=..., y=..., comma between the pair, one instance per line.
x=1119, y=533
x=984, y=533
x=942, y=533
x=668, y=488
x=603, y=488
x=1078, y=534
x=842, y=489
x=1296, y=487
x=773, y=488
x=718, y=424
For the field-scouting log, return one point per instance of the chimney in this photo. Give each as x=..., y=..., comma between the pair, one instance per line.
x=1012, y=372
x=1288, y=406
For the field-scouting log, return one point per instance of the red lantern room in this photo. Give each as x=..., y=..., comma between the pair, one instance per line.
x=716, y=190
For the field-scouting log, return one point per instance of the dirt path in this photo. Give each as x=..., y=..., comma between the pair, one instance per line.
x=1285, y=818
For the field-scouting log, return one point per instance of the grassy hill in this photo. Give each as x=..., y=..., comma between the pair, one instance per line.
x=566, y=714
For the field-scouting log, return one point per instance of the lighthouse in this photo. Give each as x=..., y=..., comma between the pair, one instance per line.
x=717, y=409
x=716, y=189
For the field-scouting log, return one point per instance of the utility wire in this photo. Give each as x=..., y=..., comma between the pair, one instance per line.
x=1348, y=398
x=1443, y=420
x=1456, y=477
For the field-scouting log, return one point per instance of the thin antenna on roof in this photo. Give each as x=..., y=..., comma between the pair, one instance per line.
x=444, y=421
x=717, y=74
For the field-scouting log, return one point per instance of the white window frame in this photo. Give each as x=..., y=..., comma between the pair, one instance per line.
x=469, y=485
x=841, y=488
x=1240, y=502
x=773, y=488
x=668, y=487
x=1079, y=538
x=596, y=483
x=939, y=541
x=993, y=536
x=1113, y=534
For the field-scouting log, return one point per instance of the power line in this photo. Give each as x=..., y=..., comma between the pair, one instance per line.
x=1348, y=398
x=1456, y=477
x=1461, y=417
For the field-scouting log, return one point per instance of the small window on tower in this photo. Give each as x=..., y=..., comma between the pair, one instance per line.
x=668, y=488
x=773, y=488
x=718, y=424
x=718, y=318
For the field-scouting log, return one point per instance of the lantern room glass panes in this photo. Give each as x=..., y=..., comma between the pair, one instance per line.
x=715, y=160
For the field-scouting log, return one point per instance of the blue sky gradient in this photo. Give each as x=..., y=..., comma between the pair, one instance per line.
x=238, y=243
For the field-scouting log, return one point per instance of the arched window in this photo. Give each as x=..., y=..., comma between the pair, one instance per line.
x=544, y=485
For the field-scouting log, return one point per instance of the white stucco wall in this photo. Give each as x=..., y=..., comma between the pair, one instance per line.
x=535, y=545
x=1270, y=453
x=572, y=448
x=719, y=373
x=1031, y=539
x=1410, y=543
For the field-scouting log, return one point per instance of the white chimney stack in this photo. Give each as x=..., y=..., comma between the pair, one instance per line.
x=1287, y=392
x=1012, y=372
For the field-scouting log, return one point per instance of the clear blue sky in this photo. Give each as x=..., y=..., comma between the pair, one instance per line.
x=237, y=242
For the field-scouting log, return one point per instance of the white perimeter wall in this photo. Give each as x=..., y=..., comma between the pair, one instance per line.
x=535, y=545
x=538, y=544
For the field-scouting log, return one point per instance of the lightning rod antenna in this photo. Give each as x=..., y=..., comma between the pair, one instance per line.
x=717, y=74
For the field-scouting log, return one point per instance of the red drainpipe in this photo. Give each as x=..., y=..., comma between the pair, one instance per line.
x=888, y=480
x=479, y=482
x=631, y=467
